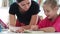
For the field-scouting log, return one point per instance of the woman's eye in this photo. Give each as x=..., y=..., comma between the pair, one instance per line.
x=28, y=3
x=23, y=5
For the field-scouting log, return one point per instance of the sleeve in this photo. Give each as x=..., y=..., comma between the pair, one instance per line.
x=57, y=25
x=42, y=24
x=36, y=9
x=12, y=10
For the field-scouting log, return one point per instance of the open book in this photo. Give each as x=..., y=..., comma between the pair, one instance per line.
x=3, y=25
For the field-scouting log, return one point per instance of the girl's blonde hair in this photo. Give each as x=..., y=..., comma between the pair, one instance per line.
x=53, y=3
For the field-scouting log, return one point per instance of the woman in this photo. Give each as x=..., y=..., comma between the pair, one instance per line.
x=26, y=12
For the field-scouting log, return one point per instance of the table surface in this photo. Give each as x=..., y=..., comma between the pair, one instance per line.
x=31, y=32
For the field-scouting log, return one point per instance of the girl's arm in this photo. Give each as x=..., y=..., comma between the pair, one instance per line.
x=48, y=29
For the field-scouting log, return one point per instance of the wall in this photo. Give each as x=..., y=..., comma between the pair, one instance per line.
x=4, y=15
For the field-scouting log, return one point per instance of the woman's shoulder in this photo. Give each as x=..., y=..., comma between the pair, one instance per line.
x=35, y=3
x=14, y=4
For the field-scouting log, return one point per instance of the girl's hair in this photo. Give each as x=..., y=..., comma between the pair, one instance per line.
x=53, y=3
x=19, y=1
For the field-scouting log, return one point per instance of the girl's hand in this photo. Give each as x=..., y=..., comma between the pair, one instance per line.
x=47, y=29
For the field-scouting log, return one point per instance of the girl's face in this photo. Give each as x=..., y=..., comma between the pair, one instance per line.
x=25, y=4
x=49, y=12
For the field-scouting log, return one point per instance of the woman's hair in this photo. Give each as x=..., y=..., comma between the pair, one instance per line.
x=53, y=3
x=19, y=1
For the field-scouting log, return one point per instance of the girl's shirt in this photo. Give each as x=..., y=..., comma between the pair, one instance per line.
x=48, y=23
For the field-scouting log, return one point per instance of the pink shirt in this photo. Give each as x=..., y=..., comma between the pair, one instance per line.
x=47, y=23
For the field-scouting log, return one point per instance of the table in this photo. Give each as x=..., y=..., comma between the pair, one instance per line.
x=6, y=31
x=32, y=32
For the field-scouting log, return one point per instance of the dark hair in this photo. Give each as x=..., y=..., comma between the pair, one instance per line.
x=53, y=3
x=19, y=1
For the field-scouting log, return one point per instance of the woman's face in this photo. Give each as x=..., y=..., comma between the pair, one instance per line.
x=25, y=4
x=49, y=12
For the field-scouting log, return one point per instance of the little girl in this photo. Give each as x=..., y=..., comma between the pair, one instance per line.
x=52, y=22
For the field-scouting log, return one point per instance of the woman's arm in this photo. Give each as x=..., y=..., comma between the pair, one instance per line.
x=12, y=20
x=33, y=21
x=13, y=24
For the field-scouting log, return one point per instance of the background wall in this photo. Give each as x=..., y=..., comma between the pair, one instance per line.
x=4, y=15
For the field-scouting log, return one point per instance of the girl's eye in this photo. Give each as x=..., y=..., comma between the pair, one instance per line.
x=47, y=10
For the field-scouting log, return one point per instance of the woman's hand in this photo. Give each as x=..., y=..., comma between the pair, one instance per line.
x=34, y=27
x=20, y=30
x=16, y=29
x=26, y=27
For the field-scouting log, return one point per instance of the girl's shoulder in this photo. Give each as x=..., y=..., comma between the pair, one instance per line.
x=58, y=18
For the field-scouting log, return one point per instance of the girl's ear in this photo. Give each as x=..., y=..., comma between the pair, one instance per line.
x=56, y=8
